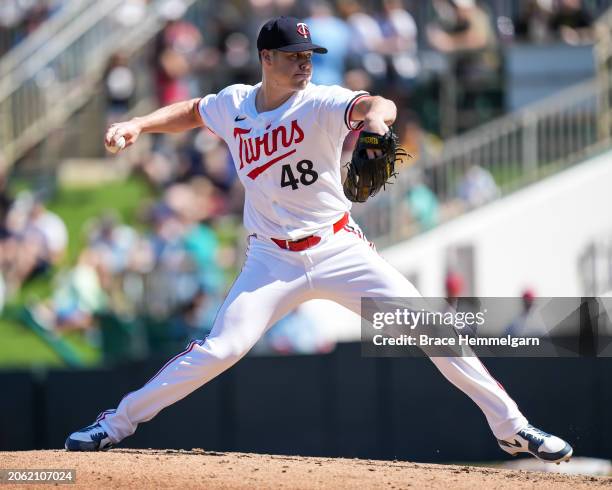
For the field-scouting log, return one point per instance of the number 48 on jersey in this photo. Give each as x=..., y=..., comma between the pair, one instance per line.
x=305, y=171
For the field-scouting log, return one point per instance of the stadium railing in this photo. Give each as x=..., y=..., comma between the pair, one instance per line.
x=36, y=41
x=40, y=93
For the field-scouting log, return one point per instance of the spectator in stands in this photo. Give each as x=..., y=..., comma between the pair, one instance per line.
x=131, y=12
x=459, y=299
x=477, y=187
x=264, y=9
x=366, y=36
x=383, y=45
x=572, y=23
x=528, y=322
x=323, y=24
x=79, y=294
x=160, y=166
x=10, y=14
x=533, y=21
x=38, y=240
x=357, y=79
x=176, y=47
x=214, y=160
x=198, y=240
x=237, y=47
x=398, y=45
x=119, y=85
x=113, y=242
x=166, y=235
x=467, y=35
x=52, y=228
x=422, y=203
x=141, y=259
x=171, y=280
x=453, y=287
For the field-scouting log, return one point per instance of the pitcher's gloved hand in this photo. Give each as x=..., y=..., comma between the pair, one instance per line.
x=367, y=175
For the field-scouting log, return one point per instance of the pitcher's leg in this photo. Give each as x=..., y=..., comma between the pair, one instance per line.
x=257, y=300
x=371, y=276
x=470, y=376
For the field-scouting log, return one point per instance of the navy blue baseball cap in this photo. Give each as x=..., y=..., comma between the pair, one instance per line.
x=287, y=34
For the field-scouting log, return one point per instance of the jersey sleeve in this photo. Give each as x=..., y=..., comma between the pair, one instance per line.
x=336, y=106
x=215, y=111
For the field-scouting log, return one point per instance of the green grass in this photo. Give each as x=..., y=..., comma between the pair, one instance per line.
x=507, y=176
x=19, y=345
x=78, y=206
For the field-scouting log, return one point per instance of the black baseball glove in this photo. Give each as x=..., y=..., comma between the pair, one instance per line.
x=366, y=176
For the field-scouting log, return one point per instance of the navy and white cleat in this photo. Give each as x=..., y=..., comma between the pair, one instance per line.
x=538, y=443
x=92, y=438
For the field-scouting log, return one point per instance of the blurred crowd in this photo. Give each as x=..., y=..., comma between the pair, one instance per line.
x=177, y=262
x=32, y=239
x=172, y=269
x=20, y=18
x=375, y=45
x=545, y=20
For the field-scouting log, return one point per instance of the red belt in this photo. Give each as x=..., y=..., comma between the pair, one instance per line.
x=309, y=241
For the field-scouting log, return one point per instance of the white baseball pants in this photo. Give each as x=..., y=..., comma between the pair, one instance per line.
x=343, y=267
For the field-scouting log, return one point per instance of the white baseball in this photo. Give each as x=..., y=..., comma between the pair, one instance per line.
x=119, y=145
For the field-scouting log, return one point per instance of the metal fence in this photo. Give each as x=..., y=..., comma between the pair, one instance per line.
x=15, y=35
x=42, y=35
x=514, y=151
x=38, y=94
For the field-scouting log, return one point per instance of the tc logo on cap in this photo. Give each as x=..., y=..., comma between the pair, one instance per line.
x=303, y=30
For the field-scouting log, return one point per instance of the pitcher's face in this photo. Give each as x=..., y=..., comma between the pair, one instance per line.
x=288, y=70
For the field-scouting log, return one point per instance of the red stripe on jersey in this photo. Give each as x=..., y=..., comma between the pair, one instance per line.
x=253, y=174
x=350, y=111
x=181, y=354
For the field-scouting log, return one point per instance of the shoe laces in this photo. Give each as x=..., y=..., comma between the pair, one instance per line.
x=533, y=433
x=96, y=432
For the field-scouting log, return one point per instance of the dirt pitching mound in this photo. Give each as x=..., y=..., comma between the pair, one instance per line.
x=124, y=468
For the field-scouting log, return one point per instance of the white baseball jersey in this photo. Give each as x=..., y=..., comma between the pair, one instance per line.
x=288, y=159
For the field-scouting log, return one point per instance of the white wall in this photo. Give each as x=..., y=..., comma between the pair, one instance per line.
x=531, y=238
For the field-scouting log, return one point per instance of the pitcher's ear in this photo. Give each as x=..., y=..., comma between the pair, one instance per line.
x=265, y=55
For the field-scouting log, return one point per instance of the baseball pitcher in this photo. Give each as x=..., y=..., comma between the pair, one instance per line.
x=285, y=135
